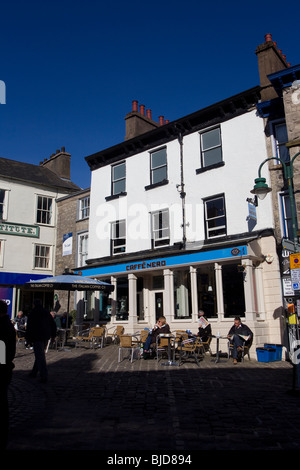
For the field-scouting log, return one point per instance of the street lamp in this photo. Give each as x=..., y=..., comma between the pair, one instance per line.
x=261, y=189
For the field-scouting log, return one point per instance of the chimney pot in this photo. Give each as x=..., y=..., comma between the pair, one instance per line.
x=142, y=109
x=134, y=105
x=63, y=149
x=167, y=121
x=268, y=37
x=149, y=113
x=161, y=120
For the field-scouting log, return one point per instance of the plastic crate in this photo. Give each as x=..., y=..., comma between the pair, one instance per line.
x=278, y=349
x=266, y=354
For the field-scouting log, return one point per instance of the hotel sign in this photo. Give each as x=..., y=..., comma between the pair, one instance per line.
x=21, y=230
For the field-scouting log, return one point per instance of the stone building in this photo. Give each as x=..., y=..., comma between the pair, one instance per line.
x=280, y=110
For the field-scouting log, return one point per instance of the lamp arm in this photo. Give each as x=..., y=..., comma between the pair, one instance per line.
x=274, y=158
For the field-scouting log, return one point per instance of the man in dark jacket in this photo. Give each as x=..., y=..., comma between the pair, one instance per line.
x=238, y=334
x=8, y=351
x=40, y=328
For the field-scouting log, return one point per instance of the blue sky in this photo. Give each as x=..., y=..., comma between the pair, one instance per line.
x=72, y=68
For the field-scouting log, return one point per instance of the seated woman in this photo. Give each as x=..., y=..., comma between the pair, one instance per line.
x=160, y=328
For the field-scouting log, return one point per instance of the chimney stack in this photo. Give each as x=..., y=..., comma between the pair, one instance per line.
x=270, y=60
x=138, y=121
x=59, y=163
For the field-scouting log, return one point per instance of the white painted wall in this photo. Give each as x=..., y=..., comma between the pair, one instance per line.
x=18, y=255
x=244, y=149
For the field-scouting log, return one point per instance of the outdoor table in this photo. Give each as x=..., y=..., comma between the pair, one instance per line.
x=170, y=362
x=218, y=337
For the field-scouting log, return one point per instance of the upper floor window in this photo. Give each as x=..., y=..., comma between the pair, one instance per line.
x=215, y=216
x=82, y=252
x=118, y=178
x=286, y=216
x=280, y=137
x=118, y=237
x=44, y=210
x=84, y=208
x=158, y=166
x=3, y=204
x=211, y=147
x=160, y=228
x=42, y=256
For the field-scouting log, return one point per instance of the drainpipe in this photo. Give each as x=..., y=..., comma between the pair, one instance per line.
x=182, y=192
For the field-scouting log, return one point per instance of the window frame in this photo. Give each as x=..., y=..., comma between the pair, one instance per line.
x=40, y=256
x=158, y=167
x=204, y=165
x=43, y=211
x=82, y=255
x=207, y=220
x=160, y=241
x=84, y=207
x=117, y=180
x=116, y=227
x=4, y=204
x=285, y=220
x=275, y=142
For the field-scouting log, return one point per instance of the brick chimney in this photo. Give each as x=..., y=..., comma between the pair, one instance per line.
x=138, y=122
x=59, y=163
x=270, y=60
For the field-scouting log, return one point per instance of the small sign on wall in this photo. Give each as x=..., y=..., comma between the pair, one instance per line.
x=67, y=244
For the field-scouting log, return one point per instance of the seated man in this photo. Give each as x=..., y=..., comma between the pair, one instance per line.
x=238, y=334
x=160, y=328
x=204, y=330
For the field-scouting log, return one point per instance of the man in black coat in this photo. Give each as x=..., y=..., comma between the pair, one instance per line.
x=8, y=351
x=40, y=328
x=234, y=333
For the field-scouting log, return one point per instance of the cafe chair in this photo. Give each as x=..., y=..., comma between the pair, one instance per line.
x=161, y=347
x=86, y=336
x=205, y=345
x=190, y=348
x=116, y=333
x=180, y=335
x=128, y=343
x=143, y=336
x=244, y=349
x=98, y=337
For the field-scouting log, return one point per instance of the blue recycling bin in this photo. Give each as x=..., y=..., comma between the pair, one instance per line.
x=266, y=354
x=278, y=349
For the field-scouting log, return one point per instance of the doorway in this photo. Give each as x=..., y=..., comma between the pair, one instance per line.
x=159, y=304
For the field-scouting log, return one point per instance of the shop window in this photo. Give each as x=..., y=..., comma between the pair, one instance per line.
x=182, y=294
x=206, y=289
x=105, y=304
x=44, y=210
x=122, y=299
x=215, y=216
x=233, y=291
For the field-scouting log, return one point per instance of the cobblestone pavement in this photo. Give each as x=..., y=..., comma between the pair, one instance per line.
x=92, y=402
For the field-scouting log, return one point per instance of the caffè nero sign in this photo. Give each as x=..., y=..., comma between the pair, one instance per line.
x=21, y=230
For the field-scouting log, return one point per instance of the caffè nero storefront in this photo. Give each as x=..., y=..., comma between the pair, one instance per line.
x=223, y=282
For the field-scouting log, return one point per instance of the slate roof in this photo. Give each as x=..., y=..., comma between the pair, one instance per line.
x=34, y=174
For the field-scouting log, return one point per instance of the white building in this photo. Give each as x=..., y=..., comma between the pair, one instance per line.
x=171, y=228
x=28, y=196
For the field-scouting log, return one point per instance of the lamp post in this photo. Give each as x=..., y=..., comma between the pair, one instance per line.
x=261, y=189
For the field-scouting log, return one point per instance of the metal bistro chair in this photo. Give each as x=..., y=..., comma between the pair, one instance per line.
x=98, y=336
x=116, y=333
x=205, y=345
x=244, y=349
x=85, y=336
x=190, y=348
x=162, y=346
x=129, y=343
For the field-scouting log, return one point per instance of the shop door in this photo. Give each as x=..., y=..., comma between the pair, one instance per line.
x=159, y=304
